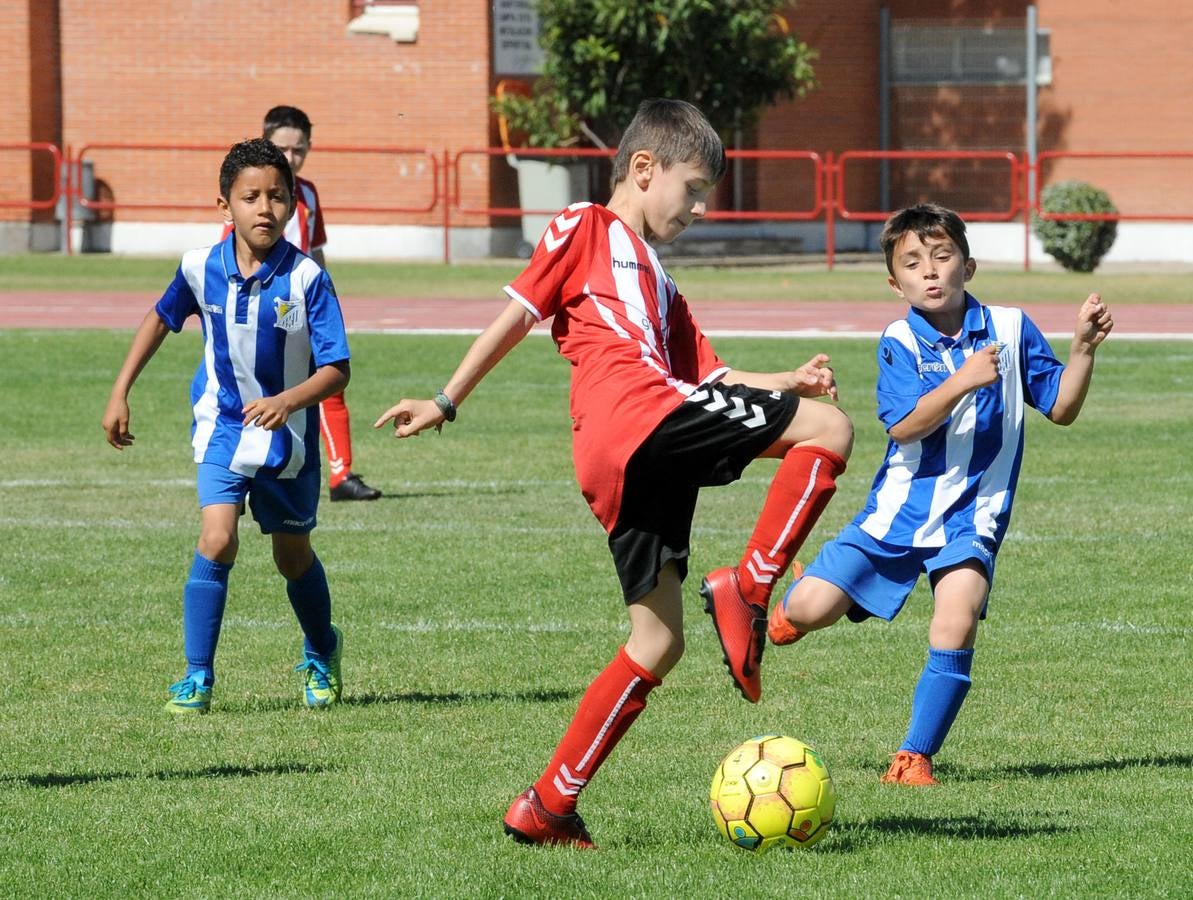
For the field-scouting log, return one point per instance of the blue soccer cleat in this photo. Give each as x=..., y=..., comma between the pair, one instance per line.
x=322, y=685
x=190, y=696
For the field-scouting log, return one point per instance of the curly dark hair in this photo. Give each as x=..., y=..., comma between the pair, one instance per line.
x=256, y=153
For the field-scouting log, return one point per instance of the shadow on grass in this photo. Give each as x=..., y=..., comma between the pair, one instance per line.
x=460, y=698
x=852, y=837
x=1045, y=770
x=51, y=779
x=286, y=704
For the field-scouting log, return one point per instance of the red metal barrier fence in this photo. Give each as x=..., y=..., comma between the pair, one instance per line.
x=55, y=158
x=801, y=186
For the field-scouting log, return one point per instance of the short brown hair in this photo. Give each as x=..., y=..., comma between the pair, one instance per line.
x=925, y=220
x=673, y=131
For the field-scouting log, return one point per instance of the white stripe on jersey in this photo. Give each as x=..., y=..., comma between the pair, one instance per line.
x=296, y=365
x=995, y=481
x=949, y=487
x=207, y=407
x=255, y=441
x=891, y=497
x=629, y=288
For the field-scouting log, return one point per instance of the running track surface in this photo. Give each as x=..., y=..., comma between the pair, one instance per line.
x=381, y=314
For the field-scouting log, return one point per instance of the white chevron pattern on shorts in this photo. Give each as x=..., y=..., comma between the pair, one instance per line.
x=735, y=407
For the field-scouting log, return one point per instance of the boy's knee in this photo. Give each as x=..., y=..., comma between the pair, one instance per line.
x=292, y=560
x=838, y=433
x=814, y=604
x=218, y=545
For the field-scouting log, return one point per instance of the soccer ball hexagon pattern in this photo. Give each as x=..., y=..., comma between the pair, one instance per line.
x=772, y=791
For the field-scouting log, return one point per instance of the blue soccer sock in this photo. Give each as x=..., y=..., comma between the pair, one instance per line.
x=312, y=605
x=203, y=600
x=938, y=697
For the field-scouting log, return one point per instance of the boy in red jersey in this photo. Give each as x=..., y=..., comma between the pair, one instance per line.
x=656, y=415
x=289, y=128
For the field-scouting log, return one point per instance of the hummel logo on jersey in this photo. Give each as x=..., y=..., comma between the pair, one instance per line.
x=630, y=264
x=732, y=408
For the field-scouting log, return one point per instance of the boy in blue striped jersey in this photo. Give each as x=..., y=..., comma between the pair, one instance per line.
x=273, y=347
x=954, y=377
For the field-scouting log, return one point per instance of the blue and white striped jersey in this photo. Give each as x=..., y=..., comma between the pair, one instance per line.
x=959, y=481
x=261, y=335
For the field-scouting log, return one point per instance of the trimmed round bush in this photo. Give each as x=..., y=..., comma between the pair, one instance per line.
x=1077, y=245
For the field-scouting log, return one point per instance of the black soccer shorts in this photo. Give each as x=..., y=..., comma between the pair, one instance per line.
x=708, y=440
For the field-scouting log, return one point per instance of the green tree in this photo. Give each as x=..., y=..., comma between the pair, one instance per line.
x=603, y=57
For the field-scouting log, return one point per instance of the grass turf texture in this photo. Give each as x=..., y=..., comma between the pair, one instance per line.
x=478, y=600
x=855, y=282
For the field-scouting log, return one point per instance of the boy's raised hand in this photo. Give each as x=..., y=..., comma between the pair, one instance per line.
x=981, y=369
x=815, y=378
x=412, y=416
x=1094, y=321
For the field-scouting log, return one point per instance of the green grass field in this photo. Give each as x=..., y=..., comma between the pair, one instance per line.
x=477, y=601
x=101, y=273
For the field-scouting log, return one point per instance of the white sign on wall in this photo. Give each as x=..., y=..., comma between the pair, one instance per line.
x=516, y=49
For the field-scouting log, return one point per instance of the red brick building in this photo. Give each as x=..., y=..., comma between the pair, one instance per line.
x=416, y=77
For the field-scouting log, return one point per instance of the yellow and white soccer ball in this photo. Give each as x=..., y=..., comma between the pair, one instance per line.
x=772, y=791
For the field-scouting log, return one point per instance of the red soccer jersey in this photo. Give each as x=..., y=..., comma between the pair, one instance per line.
x=305, y=228
x=635, y=350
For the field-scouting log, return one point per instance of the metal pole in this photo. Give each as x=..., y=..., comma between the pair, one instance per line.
x=1032, y=72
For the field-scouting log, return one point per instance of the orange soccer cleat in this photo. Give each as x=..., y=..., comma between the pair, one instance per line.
x=741, y=629
x=910, y=768
x=529, y=822
x=781, y=631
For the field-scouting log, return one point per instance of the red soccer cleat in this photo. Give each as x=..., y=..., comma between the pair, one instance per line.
x=910, y=768
x=741, y=628
x=529, y=822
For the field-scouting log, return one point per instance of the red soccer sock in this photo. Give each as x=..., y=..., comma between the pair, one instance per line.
x=337, y=438
x=804, y=483
x=607, y=709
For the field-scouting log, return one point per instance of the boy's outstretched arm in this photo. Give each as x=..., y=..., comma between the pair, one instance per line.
x=150, y=334
x=511, y=325
x=813, y=379
x=1094, y=323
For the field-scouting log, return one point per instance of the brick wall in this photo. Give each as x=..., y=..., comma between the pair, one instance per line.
x=183, y=77
x=15, y=115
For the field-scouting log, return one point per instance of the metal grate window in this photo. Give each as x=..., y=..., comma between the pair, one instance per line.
x=931, y=53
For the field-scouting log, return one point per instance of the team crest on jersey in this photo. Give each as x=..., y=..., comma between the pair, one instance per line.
x=1004, y=358
x=289, y=314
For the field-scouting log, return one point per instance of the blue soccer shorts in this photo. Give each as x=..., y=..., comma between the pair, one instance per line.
x=879, y=577
x=278, y=504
